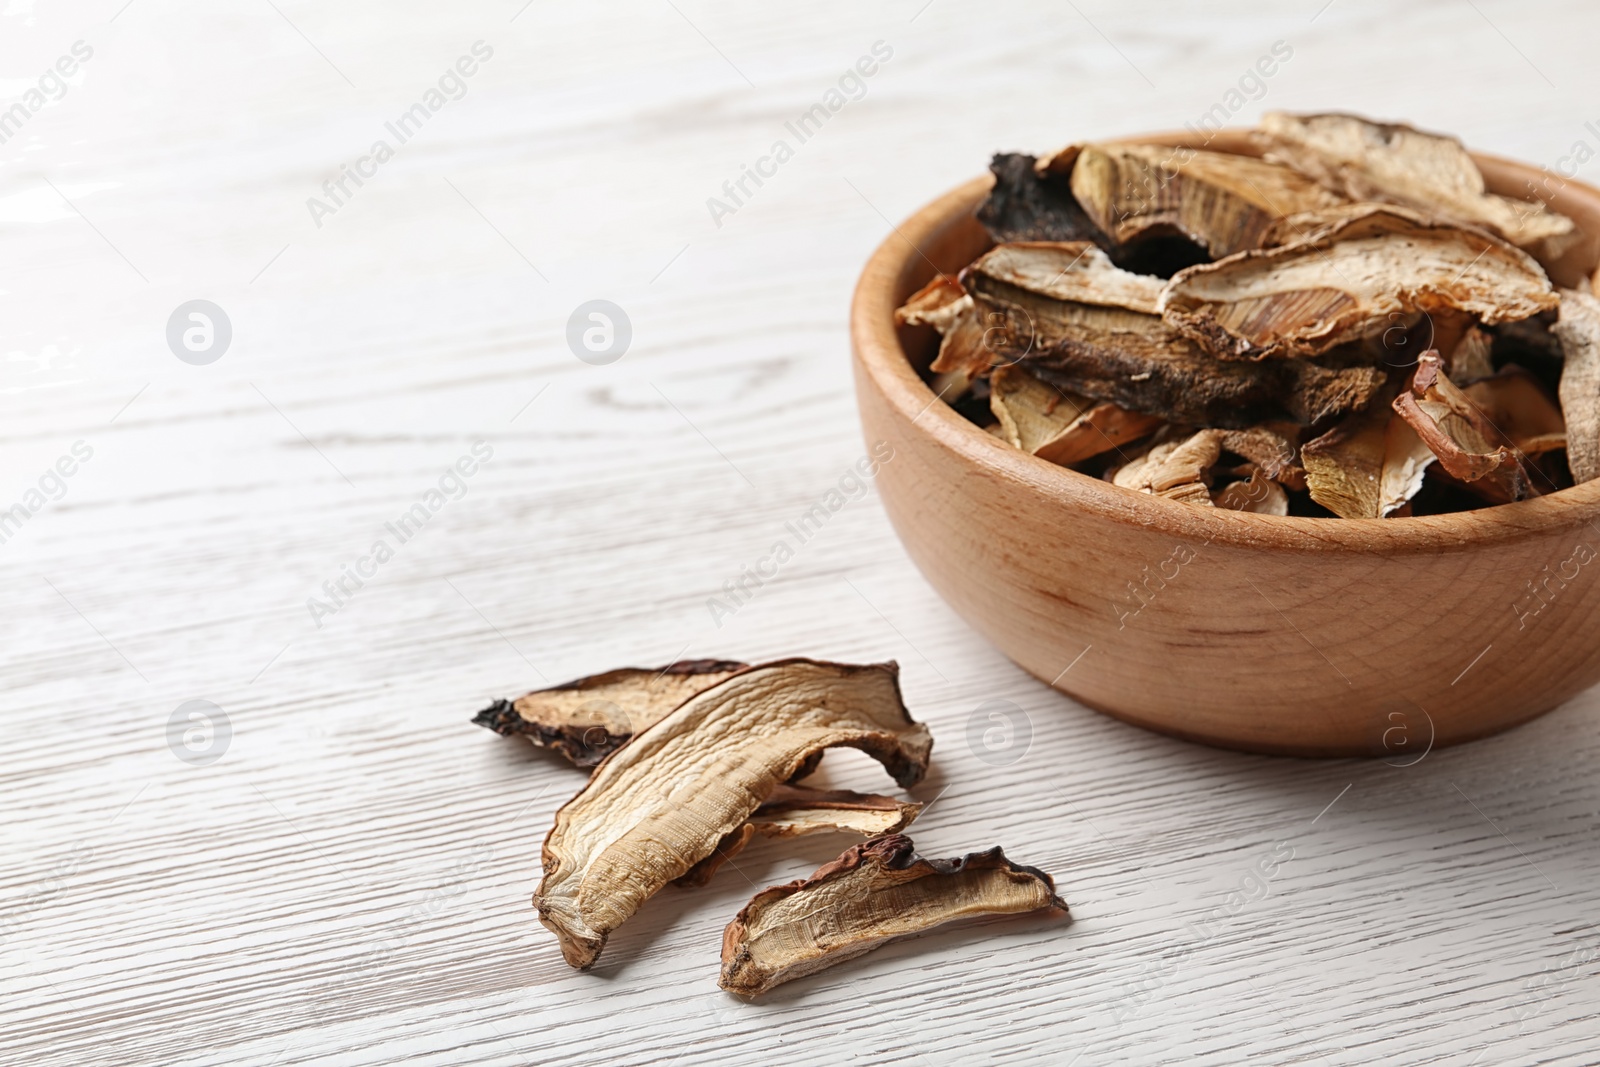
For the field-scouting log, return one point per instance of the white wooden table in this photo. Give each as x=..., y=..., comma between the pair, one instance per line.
x=348, y=882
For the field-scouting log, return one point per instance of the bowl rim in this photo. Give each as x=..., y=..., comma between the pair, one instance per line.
x=885, y=363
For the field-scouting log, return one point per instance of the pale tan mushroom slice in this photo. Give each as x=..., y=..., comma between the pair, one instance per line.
x=664, y=801
x=963, y=354
x=1578, y=330
x=587, y=719
x=875, y=893
x=1057, y=425
x=1141, y=364
x=1069, y=270
x=1349, y=282
x=1222, y=202
x=1258, y=494
x=1176, y=468
x=796, y=810
x=1369, y=466
x=1457, y=431
x=1397, y=164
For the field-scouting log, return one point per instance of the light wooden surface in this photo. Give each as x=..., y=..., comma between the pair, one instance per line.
x=349, y=882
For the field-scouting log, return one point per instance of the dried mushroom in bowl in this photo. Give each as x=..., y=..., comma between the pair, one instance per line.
x=1349, y=325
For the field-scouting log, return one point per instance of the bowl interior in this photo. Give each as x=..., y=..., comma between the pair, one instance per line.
x=945, y=236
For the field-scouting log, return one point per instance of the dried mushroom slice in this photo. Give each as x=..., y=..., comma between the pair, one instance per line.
x=1069, y=270
x=1348, y=282
x=1177, y=468
x=1457, y=431
x=945, y=305
x=1223, y=202
x=873, y=894
x=795, y=810
x=1397, y=164
x=1139, y=363
x=1259, y=494
x=1370, y=466
x=1029, y=204
x=1578, y=330
x=666, y=800
x=1057, y=425
x=1269, y=450
x=587, y=719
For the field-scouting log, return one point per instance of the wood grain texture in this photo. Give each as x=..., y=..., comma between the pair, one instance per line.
x=349, y=883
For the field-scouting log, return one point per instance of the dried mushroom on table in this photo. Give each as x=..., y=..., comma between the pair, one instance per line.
x=875, y=893
x=669, y=798
x=701, y=757
x=1349, y=325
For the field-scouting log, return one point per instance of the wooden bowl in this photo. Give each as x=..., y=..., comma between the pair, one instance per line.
x=1298, y=636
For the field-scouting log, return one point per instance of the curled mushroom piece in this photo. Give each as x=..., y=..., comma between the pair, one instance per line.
x=1389, y=162
x=944, y=304
x=1349, y=281
x=587, y=719
x=665, y=801
x=1221, y=202
x=1578, y=329
x=1460, y=434
x=795, y=811
x=873, y=894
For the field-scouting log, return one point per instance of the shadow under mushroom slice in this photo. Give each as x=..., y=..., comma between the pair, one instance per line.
x=588, y=718
x=876, y=892
x=663, y=802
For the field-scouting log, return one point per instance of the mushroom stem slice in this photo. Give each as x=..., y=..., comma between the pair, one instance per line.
x=1349, y=281
x=664, y=801
x=1578, y=330
x=588, y=718
x=796, y=810
x=874, y=893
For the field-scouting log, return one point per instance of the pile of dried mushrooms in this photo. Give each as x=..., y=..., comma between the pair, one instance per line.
x=694, y=759
x=1349, y=325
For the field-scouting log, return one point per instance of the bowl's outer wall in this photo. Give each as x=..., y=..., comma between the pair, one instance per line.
x=1294, y=636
